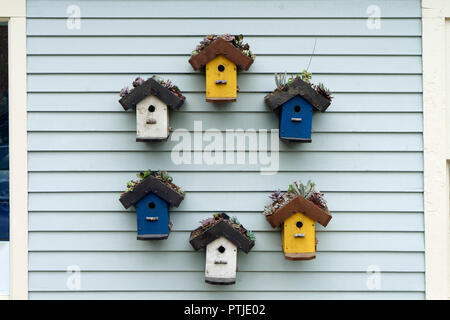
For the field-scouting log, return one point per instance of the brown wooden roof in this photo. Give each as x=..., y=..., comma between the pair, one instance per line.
x=220, y=47
x=299, y=204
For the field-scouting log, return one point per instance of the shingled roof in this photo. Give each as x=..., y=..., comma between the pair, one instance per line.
x=221, y=229
x=297, y=88
x=151, y=185
x=151, y=87
x=299, y=204
x=220, y=47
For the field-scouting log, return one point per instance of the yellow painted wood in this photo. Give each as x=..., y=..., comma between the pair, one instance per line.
x=229, y=73
x=291, y=244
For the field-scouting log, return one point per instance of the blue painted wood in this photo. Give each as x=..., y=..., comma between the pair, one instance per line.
x=366, y=153
x=148, y=209
x=296, y=120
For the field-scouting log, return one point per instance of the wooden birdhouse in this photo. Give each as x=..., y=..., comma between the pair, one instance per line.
x=221, y=60
x=298, y=217
x=152, y=101
x=222, y=238
x=295, y=103
x=152, y=199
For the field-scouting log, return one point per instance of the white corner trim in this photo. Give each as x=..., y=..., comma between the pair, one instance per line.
x=15, y=13
x=435, y=145
x=12, y=8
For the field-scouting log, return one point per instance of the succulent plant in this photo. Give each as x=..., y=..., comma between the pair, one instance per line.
x=276, y=195
x=235, y=220
x=236, y=40
x=251, y=235
x=160, y=175
x=280, y=79
x=324, y=91
x=318, y=199
x=227, y=37
x=165, y=176
x=306, y=76
x=307, y=191
x=144, y=174
x=138, y=81
x=267, y=210
x=125, y=90
x=207, y=222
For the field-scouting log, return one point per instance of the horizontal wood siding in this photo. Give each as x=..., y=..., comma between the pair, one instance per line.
x=366, y=154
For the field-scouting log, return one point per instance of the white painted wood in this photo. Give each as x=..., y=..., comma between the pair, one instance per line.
x=436, y=204
x=152, y=119
x=4, y=268
x=221, y=261
x=18, y=156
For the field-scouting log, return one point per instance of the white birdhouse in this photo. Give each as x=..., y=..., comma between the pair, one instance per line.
x=152, y=102
x=221, y=261
x=222, y=238
x=152, y=119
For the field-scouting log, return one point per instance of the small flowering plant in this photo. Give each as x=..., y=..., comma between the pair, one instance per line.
x=165, y=83
x=236, y=40
x=307, y=191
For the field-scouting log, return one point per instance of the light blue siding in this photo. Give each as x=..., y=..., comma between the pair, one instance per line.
x=366, y=154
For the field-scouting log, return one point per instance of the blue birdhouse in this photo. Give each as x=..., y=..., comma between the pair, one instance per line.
x=295, y=103
x=152, y=199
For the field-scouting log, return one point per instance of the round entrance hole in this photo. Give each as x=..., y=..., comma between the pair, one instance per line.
x=221, y=67
x=151, y=205
x=151, y=108
x=299, y=224
x=221, y=249
x=297, y=109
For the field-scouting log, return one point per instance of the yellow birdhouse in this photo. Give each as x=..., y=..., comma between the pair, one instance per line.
x=298, y=218
x=221, y=60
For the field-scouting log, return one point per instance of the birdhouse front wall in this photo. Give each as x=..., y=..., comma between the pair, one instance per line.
x=221, y=261
x=221, y=80
x=299, y=234
x=152, y=119
x=296, y=120
x=152, y=217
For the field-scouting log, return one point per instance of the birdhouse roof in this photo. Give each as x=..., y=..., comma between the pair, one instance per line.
x=151, y=87
x=220, y=47
x=222, y=228
x=151, y=185
x=299, y=204
x=297, y=88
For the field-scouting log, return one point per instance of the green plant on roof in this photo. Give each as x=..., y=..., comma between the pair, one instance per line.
x=251, y=235
x=235, y=220
x=306, y=76
x=280, y=79
x=144, y=174
x=307, y=191
x=165, y=176
x=235, y=40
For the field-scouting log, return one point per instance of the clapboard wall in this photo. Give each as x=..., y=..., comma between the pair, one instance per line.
x=366, y=154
